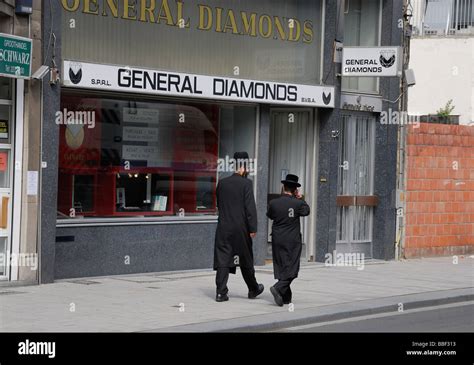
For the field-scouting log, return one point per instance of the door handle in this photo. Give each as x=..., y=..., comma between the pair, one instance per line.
x=4, y=213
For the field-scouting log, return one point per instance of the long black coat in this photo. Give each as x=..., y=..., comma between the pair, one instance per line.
x=237, y=219
x=285, y=212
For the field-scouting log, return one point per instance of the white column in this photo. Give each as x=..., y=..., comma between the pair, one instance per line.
x=18, y=172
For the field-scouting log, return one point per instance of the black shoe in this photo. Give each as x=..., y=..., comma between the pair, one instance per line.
x=254, y=294
x=276, y=296
x=222, y=298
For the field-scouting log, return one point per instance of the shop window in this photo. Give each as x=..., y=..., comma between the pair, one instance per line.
x=83, y=193
x=5, y=124
x=4, y=168
x=6, y=88
x=123, y=157
x=361, y=28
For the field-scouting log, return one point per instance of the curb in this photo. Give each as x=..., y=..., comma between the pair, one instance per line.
x=280, y=320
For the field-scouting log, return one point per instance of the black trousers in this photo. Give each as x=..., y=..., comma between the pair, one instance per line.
x=283, y=287
x=222, y=276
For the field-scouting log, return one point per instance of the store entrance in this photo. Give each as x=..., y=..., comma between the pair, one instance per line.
x=6, y=179
x=293, y=150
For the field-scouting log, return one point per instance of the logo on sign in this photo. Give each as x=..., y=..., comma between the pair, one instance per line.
x=75, y=73
x=326, y=98
x=387, y=58
x=74, y=134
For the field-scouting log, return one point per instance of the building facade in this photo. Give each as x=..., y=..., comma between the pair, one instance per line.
x=155, y=98
x=20, y=120
x=442, y=44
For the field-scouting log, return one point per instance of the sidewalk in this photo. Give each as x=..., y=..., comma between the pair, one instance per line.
x=184, y=301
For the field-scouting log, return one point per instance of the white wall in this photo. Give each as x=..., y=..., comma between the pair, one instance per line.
x=444, y=69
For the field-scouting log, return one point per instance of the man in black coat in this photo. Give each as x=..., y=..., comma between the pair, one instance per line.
x=236, y=227
x=285, y=212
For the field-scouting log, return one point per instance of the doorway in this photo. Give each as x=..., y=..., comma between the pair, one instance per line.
x=356, y=184
x=6, y=181
x=293, y=141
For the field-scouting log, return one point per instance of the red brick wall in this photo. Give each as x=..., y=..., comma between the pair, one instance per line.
x=439, y=190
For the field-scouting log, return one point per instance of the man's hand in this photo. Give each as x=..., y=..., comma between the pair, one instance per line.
x=253, y=234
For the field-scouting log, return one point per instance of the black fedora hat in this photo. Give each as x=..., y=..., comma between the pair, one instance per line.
x=291, y=180
x=241, y=156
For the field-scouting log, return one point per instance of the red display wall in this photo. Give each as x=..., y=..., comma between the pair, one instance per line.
x=96, y=153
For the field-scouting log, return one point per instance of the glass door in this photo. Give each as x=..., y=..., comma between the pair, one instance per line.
x=5, y=186
x=356, y=161
x=292, y=142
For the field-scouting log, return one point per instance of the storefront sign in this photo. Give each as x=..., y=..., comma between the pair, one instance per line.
x=126, y=79
x=371, y=61
x=15, y=56
x=211, y=37
x=208, y=18
x=361, y=103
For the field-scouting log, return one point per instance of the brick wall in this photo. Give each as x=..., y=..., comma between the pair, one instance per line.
x=439, y=190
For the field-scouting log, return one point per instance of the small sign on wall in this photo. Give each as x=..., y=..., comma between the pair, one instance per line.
x=3, y=129
x=371, y=61
x=15, y=54
x=32, y=183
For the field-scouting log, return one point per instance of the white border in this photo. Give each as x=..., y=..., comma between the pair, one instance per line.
x=104, y=77
x=17, y=173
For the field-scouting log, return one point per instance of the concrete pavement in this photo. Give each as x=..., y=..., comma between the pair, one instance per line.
x=184, y=301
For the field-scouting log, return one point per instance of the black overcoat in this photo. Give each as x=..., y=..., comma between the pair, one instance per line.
x=237, y=219
x=285, y=212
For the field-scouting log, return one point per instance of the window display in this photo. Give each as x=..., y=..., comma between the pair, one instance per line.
x=124, y=157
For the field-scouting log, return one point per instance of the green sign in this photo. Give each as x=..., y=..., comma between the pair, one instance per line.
x=15, y=56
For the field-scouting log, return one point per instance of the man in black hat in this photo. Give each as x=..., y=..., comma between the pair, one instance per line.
x=236, y=227
x=285, y=212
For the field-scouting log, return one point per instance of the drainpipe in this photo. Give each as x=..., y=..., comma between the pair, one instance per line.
x=402, y=139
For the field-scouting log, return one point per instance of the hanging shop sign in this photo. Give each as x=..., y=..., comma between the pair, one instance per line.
x=137, y=80
x=371, y=61
x=15, y=56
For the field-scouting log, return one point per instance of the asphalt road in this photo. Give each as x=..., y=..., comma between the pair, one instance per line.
x=458, y=317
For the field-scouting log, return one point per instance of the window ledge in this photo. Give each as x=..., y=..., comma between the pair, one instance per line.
x=134, y=221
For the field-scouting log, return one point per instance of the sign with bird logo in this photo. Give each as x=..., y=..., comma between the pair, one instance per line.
x=371, y=61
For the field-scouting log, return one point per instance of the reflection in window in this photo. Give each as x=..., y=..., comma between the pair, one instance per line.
x=361, y=28
x=121, y=157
